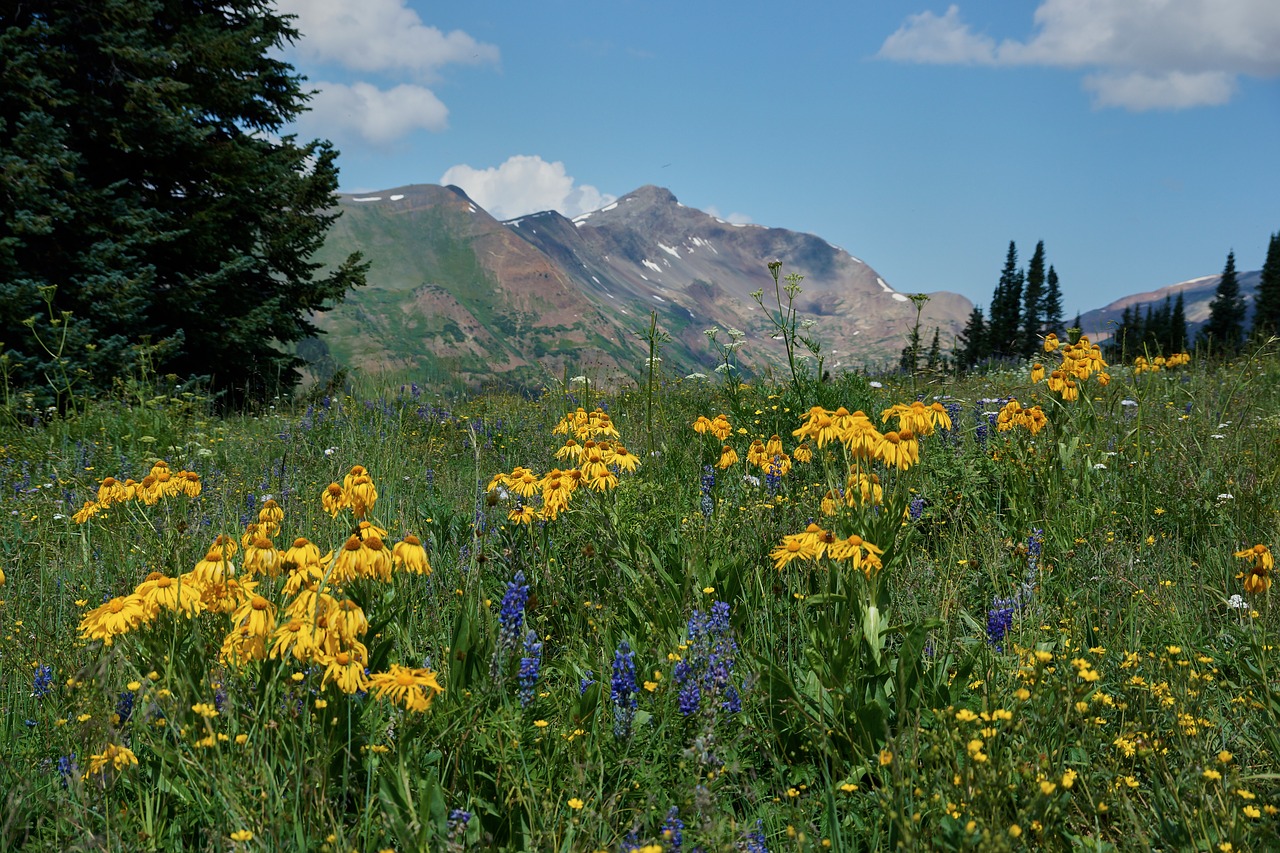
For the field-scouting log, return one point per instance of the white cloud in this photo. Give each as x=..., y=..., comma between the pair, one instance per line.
x=379, y=35
x=1172, y=90
x=363, y=111
x=944, y=40
x=383, y=37
x=523, y=185
x=732, y=218
x=1143, y=54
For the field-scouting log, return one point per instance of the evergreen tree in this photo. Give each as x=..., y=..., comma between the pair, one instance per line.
x=1033, y=303
x=1128, y=330
x=973, y=341
x=909, y=360
x=1075, y=324
x=1004, y=332
x=149, y=214
x=933, y=362
x=1266, y=305
x=1225, y=328
x=1178, y=326
x=1051, y=307
x=1159, y=332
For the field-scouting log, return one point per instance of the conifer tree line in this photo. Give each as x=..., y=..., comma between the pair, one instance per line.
x=1026, y=306
x=1144, y=330
x=1225, y=331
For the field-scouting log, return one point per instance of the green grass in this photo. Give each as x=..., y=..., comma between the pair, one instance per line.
x=1127, y=672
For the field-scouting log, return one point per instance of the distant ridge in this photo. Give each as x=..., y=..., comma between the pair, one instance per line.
x=455, y=294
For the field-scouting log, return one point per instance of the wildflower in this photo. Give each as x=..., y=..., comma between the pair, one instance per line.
x=115, y=756
x=346, y=669
x=118, y=616
x=673, y=829
x=706, y=484
x=1258, y=579
x=728, y=457
x=241, y=835
x=622, y=690
x=530, y=667
x=412, y=688
x=510, y=621
x=705, y=671
x=42, y=683
x=575, y=803
x=159, y=591
x=1069, y=778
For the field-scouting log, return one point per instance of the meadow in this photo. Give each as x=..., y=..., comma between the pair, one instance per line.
x=999, y=612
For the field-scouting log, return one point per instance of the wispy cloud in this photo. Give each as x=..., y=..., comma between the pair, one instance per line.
x=1140, y=54
x=526, y=184
x=385, y=39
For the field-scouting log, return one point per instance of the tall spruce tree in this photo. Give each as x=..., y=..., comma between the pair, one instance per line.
x=1051, y=309
x=933, y=361
x=973, y=341
x=1224, y=330
x=1004, y=329
x=148, y=209
x=1266, y=304
x=1178, y=326
x=1033, y=294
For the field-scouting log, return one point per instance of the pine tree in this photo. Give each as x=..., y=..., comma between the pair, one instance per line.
x=1033, y=303
x=1266, y=305
x=1051, y=307
x=1126, y=333
x=933, y=361
x=148, y=209
x=1004, y=332
x=1178, y=326
x=973, y=341
x=909, y=360
x=1159, y=332
x=1225, y=328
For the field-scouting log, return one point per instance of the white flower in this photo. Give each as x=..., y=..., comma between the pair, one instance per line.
x=696, y=376
x=329, y=451
x=265, y=498
x=875, y=384
x=750, y=480
x=579, y=379
x=1128, y=402
x=1237, y=603
x=1099, y=467
x=1217, y=435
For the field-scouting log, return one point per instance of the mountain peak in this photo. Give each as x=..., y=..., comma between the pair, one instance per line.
x=650, y=194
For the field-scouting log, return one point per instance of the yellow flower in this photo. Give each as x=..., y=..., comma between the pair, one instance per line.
x=205, y=709
x=1251, y=811
x=1225, y=757
x=728, y=457
x=118, y=616
x=1015, y=831
x=241, y=835
x=118, y=757
x=1212, y=775
x=1068, y=778
x=886, y=758
x=575, y=803
x=1047, y=787
x=542, y=724
x=412, y=688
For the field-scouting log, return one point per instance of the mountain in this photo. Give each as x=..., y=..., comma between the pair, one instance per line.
x=1197, y=293
x=456, y=295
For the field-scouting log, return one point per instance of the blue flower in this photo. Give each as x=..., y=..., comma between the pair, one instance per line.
x=706, y=670
x=43, y=682
x=622, y=690
x=706, y=484
x=510, y=622
x=530, y=667
x=673, y=829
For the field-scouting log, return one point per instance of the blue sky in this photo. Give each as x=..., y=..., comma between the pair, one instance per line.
x=1137, y=138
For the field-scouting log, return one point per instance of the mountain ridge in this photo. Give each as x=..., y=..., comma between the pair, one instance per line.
x=467, y=297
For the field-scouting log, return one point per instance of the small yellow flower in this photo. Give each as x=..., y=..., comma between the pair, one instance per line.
x=575, y=803
x=848, y=787
x=542, y=724
x=1224, y=757
x=241, y=739
x=1068, y=778
x=1015, y=831
x=1022, y=693
x=241, y=835
x=708, y=589
x=133, y=685
x=1047, y=787
x=886, y=758
x=205, y=709
x=321, y=704
x=1251, y=811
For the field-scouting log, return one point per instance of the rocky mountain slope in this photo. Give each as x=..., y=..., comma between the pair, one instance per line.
x=456, y=296
x=1197, y=293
